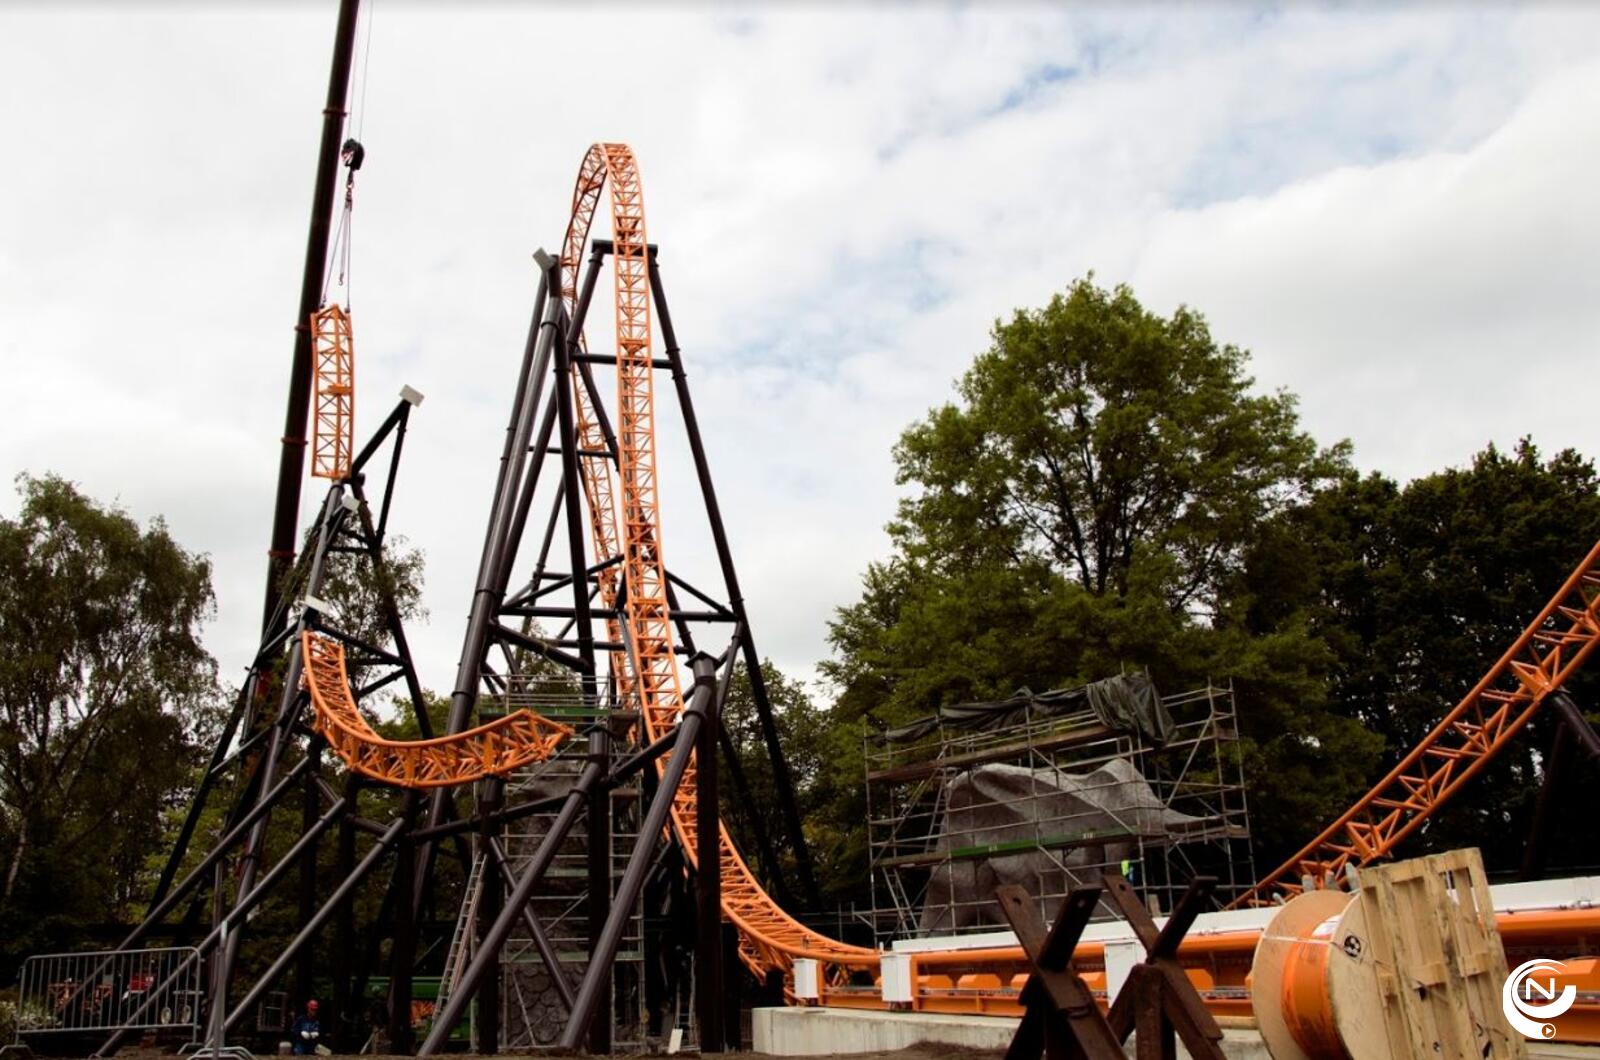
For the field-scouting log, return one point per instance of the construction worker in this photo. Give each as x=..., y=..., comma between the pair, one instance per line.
x=306, y=1032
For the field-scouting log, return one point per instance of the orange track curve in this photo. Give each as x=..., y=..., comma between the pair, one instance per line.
x=488, y=750
x=1554, y=645
x=768, y=937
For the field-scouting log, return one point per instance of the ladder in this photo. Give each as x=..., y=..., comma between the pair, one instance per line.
x=455, y=960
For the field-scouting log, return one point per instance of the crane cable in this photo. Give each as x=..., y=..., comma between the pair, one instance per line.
x=352, y=153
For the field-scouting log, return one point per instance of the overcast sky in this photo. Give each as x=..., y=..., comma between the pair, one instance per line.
x=1394, y=211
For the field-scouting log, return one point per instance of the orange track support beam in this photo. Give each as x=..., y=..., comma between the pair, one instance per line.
x=768, y=937
x=1554, y=645
x=488, y=750
x=333, y=364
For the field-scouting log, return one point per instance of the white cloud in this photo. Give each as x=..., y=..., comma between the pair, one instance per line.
x=1390, y=209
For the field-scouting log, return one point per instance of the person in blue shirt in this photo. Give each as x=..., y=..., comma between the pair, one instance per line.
x=306, y=1032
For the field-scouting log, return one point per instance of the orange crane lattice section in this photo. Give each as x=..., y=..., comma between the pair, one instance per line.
x=769, y=937
x=1551, y=648
x=334, y=424
x=488, y=750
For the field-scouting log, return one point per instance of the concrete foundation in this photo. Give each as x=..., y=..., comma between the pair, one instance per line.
x=832, y=1031
x=823, y=1031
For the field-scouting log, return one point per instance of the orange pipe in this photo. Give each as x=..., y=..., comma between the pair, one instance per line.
x=1560, y=933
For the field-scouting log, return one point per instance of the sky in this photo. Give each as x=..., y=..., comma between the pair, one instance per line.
x=1392, y=209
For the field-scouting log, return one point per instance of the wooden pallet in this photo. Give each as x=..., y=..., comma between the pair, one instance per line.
x=1438, y=960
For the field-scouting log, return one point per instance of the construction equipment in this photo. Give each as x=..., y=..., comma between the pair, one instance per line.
x=1410, y=967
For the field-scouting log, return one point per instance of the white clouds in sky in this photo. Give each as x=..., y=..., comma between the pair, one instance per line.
x=1392, y=210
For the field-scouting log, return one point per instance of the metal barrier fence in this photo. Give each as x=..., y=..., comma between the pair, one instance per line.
x=109, y=990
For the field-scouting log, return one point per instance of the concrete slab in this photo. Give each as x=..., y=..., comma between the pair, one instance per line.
x=830, y=1032
x=824, y=1031
x=837, y=1031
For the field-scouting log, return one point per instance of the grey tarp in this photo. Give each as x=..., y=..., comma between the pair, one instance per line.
x=1127, y=703
x=1068, y=827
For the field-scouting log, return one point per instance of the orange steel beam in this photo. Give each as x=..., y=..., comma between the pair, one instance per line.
x=1554, y=645
x=768, y=937
x=488, y=750
x=599, y=490
x=333, y=363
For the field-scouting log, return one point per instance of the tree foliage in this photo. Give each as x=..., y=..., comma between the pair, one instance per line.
x=1093, y=429
x=105, y=694
x=1110, y=492
x=1417, y=590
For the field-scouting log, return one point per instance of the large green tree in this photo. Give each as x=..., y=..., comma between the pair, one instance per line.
x=1089, y=503
x=1416, y=591
x=105, y=695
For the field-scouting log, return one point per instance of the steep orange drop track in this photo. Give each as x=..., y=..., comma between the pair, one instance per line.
x=769, y=937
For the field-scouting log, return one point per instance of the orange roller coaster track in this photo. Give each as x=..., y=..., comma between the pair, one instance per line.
x=334, y=423
x=493, y=749
x=769, y=937
x=1554, y=645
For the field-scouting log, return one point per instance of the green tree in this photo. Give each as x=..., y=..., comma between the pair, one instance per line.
x=1089, y=504
x=1092, y=429
x=105, y=693
x=1417, y=591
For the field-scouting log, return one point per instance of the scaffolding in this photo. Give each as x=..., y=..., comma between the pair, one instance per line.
x=1047, y=792
x=532, y=1010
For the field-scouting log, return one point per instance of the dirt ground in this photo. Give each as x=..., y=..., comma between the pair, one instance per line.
x=930, y=1051
x=916, y=1052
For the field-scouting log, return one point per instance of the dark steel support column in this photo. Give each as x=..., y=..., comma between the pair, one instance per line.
x=346, y=1006
x=719, y=535
x=485, y=600
x=311, y=802
x=598, y=812
x=292, y=459
x=456, y=1007
x=403, y=951
x=708, y=970
x=331, y=519
x=732, y=990
x=597, y=849
x=1574, y=734
x=595, y=979
x=772, y=989
x=490, y=800
x=1556, y=765
x=1583, y=734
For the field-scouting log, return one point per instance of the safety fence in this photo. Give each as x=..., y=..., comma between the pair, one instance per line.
x=111, y=990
